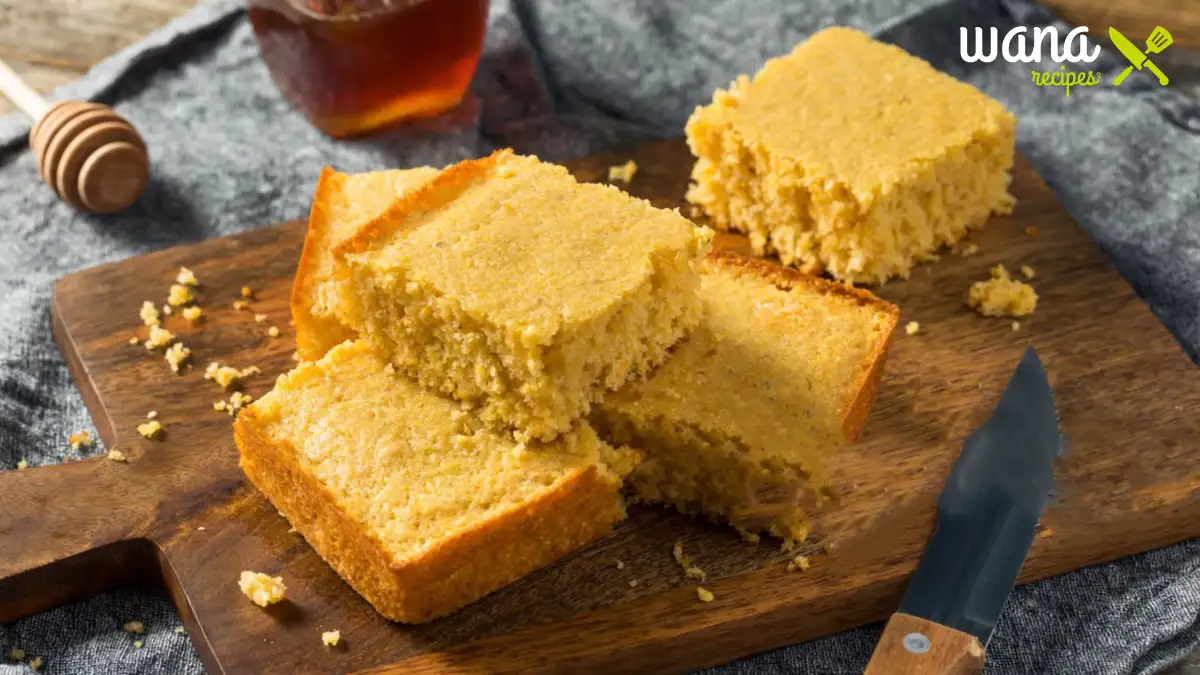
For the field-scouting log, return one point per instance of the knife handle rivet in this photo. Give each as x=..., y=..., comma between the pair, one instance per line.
x=917, y=643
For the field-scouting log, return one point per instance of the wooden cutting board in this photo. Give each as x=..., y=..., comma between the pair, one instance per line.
x=181, y=511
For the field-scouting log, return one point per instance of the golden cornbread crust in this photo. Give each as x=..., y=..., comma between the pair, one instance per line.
x=318, y=327
x=855, y=415
x=852, y=157
x=313, y=335
x=525, y=361
x=456, y=570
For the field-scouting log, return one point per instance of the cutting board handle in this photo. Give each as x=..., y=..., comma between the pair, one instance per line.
x=69, y=532
x=915, y=646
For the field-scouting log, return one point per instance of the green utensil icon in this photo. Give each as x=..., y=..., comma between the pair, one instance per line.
x=1159, y=40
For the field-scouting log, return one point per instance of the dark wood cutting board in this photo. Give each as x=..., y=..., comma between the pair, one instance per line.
x=181, y=511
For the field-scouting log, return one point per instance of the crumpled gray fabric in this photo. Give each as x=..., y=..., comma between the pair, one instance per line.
x=562, y=79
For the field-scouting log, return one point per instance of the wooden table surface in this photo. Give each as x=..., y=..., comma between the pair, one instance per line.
x=51, y=42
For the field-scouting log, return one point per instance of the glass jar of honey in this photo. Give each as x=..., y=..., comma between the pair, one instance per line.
x=355, y=66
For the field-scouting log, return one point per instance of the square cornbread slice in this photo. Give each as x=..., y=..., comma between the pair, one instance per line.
x=852, y=157
x=738, y=423
x=508, y=285
x=343, y=203
x=413, y=502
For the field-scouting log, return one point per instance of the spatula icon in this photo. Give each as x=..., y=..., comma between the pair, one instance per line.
x=1159, y=40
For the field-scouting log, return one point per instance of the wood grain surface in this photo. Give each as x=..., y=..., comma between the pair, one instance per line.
x=181, y=511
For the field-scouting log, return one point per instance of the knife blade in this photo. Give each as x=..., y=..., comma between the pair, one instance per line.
x=1127, y=48
x=987, y=518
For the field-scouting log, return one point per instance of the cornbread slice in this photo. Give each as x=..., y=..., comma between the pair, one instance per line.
x=737, y=424
x=342, y=204
x=510, y=286
x=417, y=505
x=851, y=156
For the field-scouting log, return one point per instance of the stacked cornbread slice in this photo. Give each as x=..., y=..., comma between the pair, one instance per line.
x=509, y=286
x=851, y=156
x=780, y=374
x=342, y=205
x=444, y=453
x=420, y=507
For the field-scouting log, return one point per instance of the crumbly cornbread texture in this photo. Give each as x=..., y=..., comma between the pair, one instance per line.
x=510, y=286
x=781, y=372
x=851, y=156
x=418, y=505
x=1002, y=295
x=262, y=589
x=343, y=203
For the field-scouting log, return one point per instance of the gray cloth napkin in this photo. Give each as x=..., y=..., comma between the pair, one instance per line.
x=561, y=79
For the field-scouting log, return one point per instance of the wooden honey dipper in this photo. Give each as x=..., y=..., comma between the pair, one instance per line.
x=91, y=156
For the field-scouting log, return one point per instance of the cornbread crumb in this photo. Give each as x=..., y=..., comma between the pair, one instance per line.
x=1046, y=532
x=260, y=318
x=247, y=293
x=159, y=338
x=179, y=295
x=133, y=340
x=17, y=654
x=620, y=565
x=180, y=629
x=787, y=546
x=227, y=376
x=633, y=583
x=273, y=331
x=134, y=627
x=177, y=355
x=117, y=456
x=748, y=536
x=201, y=528
x=219, y=405
x=330, y=638
x=35, y=663
x=912, y=328
x=690, y=571
x=192, y=313
x=800, y=562
x=186, y=277
x=80, y=439
x=166, y=309
x=262, y=590
x=969, y=250
x=152, y=415
x=1028, y=272
x=704, y=594
x=1031, y=231
x=1002, y=296
x=297, y=358
x=22, y=464
x=241, y=304
x=150, y=430
x=1016, y=326
x=149, y=314
x=137, y=644
x=623, y=172
x=237, y=401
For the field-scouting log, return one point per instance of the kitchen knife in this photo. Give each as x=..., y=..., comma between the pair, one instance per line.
x=987, y=515
x=1135, y=55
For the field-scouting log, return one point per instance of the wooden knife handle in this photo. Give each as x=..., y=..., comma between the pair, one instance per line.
x=915, y=646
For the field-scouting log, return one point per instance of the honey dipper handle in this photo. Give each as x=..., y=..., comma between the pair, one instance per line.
x=21, y=94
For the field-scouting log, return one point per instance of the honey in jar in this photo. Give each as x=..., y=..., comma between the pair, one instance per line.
x=355, y=66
